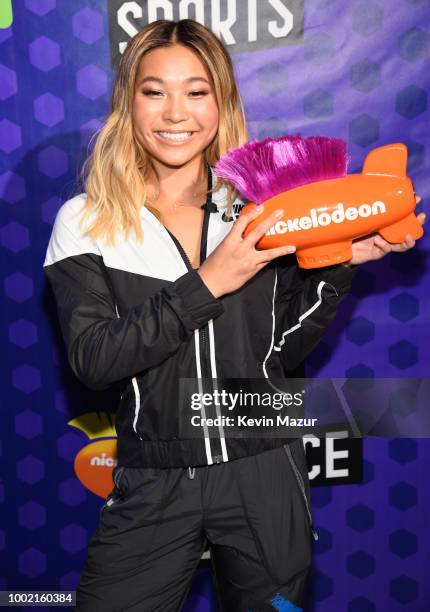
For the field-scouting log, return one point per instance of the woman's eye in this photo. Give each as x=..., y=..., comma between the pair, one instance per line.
x=150, y=92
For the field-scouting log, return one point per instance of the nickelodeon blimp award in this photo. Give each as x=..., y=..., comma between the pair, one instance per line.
x=325, y=208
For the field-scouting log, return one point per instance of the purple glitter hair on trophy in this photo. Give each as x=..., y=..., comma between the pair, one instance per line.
x=261, y=169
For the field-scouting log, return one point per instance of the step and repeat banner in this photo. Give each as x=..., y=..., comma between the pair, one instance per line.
x=357, y=70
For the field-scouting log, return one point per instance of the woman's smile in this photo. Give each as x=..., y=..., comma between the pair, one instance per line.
x=173, y=138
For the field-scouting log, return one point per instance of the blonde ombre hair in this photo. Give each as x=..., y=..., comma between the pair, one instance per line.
x=114, y=173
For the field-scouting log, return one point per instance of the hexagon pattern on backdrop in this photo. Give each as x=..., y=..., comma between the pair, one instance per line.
x=357, y=75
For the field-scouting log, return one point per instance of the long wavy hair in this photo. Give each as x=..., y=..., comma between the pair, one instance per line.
x=114, y=173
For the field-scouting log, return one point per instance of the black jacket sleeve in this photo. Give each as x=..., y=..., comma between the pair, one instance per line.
x=306, y=303
x=102, y=346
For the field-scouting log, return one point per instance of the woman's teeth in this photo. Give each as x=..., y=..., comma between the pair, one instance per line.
x=177, y=136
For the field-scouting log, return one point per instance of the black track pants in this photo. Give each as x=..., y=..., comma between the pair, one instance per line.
x=253, y=512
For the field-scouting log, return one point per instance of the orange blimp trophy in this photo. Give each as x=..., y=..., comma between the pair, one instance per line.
x=325, y=209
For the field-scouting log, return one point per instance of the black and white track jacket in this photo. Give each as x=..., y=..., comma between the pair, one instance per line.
x=140, y=315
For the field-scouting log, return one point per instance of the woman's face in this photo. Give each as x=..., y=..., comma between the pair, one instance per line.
x=175, y=114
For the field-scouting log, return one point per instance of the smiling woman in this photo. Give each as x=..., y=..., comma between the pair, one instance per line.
x=163, y=287
x=175, y=117
x=156, y=290
x=175, y=123
x=171, y=79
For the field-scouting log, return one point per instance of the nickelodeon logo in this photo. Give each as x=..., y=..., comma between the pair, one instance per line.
x=94, y=463
x=316, y=218
x=103, y=459
x=323, y=218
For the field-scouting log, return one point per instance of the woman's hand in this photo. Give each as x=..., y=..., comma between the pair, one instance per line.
x=375, y=247
x=235, y=260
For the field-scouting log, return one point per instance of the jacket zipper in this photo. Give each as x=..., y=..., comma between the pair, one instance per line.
x=301, y=487
x=220, y=445
x=203, y=245
x=111, y=497
x=203, y=332
x=117, y=477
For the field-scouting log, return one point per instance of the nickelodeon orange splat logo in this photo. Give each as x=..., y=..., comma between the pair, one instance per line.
x=94, y=463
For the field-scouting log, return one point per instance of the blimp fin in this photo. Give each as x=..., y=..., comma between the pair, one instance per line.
x=390, y=160
x=396, y=232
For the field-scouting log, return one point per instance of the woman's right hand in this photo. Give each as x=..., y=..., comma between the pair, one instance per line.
x=235, y=260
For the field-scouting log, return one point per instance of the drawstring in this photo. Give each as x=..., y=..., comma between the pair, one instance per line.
x=191, y=472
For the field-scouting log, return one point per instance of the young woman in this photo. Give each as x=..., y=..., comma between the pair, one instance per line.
x=154, y=284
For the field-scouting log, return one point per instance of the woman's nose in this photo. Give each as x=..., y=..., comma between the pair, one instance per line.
x=175, y=109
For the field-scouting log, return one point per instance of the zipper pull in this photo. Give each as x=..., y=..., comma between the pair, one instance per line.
x=191, y=472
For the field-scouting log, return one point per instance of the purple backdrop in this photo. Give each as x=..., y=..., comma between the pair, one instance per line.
x=360, y=72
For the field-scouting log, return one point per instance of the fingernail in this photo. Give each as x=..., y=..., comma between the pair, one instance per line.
x=291, y=249
x=279, y=213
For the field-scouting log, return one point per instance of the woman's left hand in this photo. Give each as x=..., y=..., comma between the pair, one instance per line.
x=375, y=247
